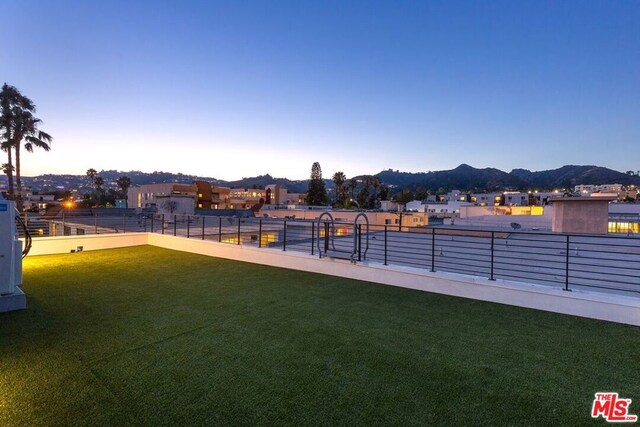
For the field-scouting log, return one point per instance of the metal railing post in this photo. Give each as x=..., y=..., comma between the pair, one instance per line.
x=566, y=275
x=188, y=225
x=175, y=225
x=124, y=223
x=260, y=233
x=239, y=222
x=385, y=245
x=162, y=223
x=313, y=235
x=326, y=236
x=492, y=241
x=359, y=242
x=202, y=227
x=220, y=229
x=433, y=249
x=152, y=217
x=95, y=221
x=284, y=232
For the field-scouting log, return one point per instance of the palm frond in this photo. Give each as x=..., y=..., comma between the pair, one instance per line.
x=33, y=141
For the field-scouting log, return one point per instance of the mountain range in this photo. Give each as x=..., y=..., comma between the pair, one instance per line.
x=468, y=178
x=463, y=177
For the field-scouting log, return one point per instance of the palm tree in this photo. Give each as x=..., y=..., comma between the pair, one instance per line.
x=92, y=173
x=10, y=97
x=99, y=191
x=123, y=183
x=18, y=124
x=339, y=179
x=26, y=129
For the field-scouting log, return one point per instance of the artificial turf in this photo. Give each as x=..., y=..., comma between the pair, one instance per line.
x=157, y=337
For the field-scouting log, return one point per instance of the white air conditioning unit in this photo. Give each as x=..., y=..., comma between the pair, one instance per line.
x=10, y=250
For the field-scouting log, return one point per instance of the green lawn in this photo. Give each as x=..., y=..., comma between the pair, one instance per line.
x=157, y=337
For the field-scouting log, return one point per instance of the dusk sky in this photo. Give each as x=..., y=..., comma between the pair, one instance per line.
x=241, y=88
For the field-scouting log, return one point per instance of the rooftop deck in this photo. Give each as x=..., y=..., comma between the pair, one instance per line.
x=149, y=335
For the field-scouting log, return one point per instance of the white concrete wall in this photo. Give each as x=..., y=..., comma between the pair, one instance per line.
x=415, y=205
x=449, y=207
x=65, y=244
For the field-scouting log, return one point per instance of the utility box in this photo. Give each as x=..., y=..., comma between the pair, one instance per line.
x=11, y=296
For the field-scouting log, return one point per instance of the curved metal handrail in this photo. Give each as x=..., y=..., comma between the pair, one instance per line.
x=27, y=236
x=356, y=249
x=330, y=236
x=355, y=236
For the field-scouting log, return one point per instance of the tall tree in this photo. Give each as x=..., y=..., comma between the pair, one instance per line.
x=17, y=125
x=27, y=131
x=98, y=182
x=123, y=183
x=317, y=193
x=363, y=194
x=404, y=196
x=339, y=180
x=353, y=183
x=91, y=174
x=10, y=98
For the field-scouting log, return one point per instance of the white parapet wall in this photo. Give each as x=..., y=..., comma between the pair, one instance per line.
x=66, y=244
x=595, y=305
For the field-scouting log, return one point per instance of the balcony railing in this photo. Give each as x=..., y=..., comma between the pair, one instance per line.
x=595, y=262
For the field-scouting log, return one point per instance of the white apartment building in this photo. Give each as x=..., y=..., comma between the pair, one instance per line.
x=605, y=188
x=516, y=199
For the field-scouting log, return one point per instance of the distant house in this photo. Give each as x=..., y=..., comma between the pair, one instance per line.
x=202, y=194
x=206, y=196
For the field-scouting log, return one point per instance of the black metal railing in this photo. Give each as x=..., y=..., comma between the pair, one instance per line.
x=605, y=262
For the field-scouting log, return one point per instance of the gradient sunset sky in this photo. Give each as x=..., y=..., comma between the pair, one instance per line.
x=240, y=88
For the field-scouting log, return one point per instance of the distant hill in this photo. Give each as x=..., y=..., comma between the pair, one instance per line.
x=468, y=178
x=142, y=178
x=260, y=181
x=569, y=176
x=464, y=178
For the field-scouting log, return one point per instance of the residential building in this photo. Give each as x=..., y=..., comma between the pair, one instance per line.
x=207, y=196
x=516, y=199
x=152, y=195
x=388, y=206
x=605, y=188
x=486, y=199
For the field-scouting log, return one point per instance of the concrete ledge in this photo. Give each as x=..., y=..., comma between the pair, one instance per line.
x=66, y=244
x=614, y=308
x=14, y=301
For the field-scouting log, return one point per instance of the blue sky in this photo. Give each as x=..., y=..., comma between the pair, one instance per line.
x=241, y=88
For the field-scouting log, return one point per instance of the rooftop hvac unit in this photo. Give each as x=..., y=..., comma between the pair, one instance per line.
x=11, y=297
